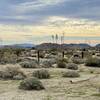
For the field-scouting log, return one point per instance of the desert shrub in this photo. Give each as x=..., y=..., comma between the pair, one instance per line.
x=88, y=54
x=20, y=76
x=12, y=72
x=94, y=62
x=61, y=63
x=63, y=60
x=76, y=56
x=8, y=57
x=93, y=53
x=71, y=74
x=69, y=53
x=53, y=61
x=31, y=84
x=29, y=64
x=96, y=94
x=98, y=54
x=49, y=56
x=78, y=60
x=41, y=74
x=23, y=59
x=41, y=54
x=48, y=63
x=72, y=66
x=54, y=53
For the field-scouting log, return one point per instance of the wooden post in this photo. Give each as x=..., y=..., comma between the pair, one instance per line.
x=38, y=55
x=82, y=54
x=63, y=54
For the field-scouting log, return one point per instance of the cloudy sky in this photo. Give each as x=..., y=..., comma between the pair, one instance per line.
x=34, y=21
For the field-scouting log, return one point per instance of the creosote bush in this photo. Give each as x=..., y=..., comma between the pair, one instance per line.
x=93, y=62
x=47, y=64
x=63, y=60
x=41, y=74
x=78, y=60
x=41, y=54
x=12, y=72
x=29, y=64
x=31, y=84
x=8, y=57
x=72, y=66
x=61, y=63
x=71, y=74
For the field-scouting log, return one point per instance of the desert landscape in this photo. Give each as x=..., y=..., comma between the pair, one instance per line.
x=41, y=74
x=49, y=49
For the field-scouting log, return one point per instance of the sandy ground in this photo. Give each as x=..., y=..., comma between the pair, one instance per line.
x=86, y=87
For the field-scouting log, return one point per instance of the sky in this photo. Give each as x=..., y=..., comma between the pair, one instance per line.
x=35, y=21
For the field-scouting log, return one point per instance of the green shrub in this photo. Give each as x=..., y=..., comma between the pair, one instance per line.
x=12, y=72
x=41, y=74
x=71, y=74
x=41, y=54
x=48, y=63
x=31, y=84
x=49, y=56
x=63, y=60
x=72, y=66
x=98, y=54
x=61, y=63
x=9, y=57
x=78, y=60
x=94, y=62
x=54, y=53
x=97, y=94
x=29, y=64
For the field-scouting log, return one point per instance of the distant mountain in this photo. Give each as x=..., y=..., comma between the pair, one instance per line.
x=24, y=45
x=81, y=45
x=46, y=46
x=64, y=46
x=98, y=45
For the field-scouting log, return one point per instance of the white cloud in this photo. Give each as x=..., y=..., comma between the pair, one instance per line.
x=34, y=5
x=52, y=25
x=59, y=21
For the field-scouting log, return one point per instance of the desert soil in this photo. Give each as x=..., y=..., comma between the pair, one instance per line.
x=86, y=87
